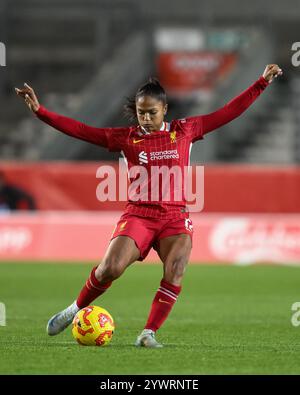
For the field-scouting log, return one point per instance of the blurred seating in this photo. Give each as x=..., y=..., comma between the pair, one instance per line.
x=63, y=47
x=96, y=104
x=56, y=46
x=271, y=136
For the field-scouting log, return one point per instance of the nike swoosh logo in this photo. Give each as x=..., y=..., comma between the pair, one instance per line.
x=137, y=141
x=163, y=301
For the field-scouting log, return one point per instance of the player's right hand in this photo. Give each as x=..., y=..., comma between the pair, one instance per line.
x=27, y=93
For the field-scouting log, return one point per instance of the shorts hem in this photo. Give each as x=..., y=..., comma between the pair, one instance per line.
x=180, y=232
x=141, y=258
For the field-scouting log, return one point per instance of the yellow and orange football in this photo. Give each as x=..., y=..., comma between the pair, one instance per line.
x=93, y=326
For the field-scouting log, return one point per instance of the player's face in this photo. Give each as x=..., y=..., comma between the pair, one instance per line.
x=150, y=112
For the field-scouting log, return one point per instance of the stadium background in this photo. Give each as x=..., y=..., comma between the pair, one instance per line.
x=83, y=58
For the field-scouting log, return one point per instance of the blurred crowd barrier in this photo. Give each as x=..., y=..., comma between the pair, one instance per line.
x=71, y=186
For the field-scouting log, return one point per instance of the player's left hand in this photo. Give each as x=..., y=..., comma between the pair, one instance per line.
x=272, y=71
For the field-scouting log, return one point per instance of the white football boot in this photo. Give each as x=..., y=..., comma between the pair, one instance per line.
x=62, y=320
x=147, y=339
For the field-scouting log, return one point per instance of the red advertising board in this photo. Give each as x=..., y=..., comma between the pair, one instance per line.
x=234, y=188
x=218, y=238
x=186, y=73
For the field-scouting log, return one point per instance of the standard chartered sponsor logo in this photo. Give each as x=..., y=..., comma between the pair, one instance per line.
x=168, y=154
x=143, y=157
x=158, y=155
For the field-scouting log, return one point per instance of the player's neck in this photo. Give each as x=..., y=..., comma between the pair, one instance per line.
x=162, y=128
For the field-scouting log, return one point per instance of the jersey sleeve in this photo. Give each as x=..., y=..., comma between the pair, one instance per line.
x=198, y=126
x=111, y=138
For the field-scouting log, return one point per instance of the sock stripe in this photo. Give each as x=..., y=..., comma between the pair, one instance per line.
x=91, y=290
x=159, y=310
x=99, y=288
x=165, y=293
x=168, y=291
x=92, y=285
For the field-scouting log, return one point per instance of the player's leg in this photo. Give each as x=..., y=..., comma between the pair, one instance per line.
x=174, y=252
x=121, y=253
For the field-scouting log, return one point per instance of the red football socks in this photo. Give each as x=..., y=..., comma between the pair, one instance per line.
x=91, y=290
x=162, y=304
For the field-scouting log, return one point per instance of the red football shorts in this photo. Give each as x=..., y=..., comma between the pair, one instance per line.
x=146, y=232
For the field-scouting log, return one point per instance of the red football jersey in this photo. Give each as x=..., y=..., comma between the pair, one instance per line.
x=169, y=147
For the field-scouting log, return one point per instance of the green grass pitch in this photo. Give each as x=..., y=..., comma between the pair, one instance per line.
x=228, y=320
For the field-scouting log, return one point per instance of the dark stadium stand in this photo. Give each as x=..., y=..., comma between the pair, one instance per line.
x=63, y=47
x=270, y=136
x=56, y=46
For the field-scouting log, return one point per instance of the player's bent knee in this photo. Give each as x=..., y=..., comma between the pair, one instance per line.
x=174, y=270
x=108, y=274
x=110, y=269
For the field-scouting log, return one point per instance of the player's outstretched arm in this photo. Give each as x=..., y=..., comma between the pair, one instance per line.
x=239, y=104
x=105, y=137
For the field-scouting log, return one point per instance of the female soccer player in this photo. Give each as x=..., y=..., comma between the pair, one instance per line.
x=163, y=225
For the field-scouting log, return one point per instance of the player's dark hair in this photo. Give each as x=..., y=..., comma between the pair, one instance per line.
x=151, y=88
